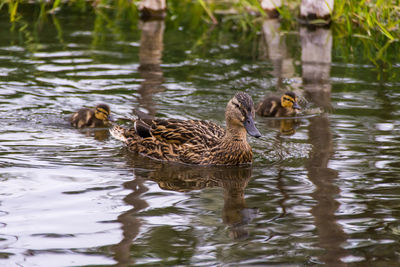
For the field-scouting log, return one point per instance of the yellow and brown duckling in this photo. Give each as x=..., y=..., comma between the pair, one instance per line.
x=196, y=141
x=94, y=118
x=274, y=106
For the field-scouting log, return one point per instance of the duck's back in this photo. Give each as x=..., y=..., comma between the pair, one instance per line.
x=181, y=132
x=186, y=141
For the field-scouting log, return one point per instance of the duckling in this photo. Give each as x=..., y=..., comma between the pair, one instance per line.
x=195, y=141
x=85, y=117
x=279, y=107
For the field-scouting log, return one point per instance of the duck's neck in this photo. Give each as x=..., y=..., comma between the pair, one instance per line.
x=233, y=148
x=235, y=134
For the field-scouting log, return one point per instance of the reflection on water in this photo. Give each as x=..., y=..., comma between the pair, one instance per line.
x=181, y=178
x=276, y=51
x=323, y=188
x=285, y=126
x=98, y=134
x=316, y=59
x=130, y=223
x=150, y=53
x=316, y=50
x=330, y=232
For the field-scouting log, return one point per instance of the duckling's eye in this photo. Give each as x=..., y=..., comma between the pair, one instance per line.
x=102, y=111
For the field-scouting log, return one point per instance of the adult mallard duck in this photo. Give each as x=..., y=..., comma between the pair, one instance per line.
x=196, y=141
x=85, y=117
x=274, y=106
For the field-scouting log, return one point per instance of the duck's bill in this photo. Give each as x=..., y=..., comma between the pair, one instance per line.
x=251, y=128
x=296, y=106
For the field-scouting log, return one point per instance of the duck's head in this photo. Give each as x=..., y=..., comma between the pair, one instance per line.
x=102, y=112
x=240, y=113
x=289, y=101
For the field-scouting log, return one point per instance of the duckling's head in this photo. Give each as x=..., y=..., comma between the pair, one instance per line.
x=240, y=113
x=102, y=112
x=289, y=101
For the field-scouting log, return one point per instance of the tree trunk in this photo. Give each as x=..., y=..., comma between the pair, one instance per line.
x=270, y=7
x=316, y=46
x=152, y=9
x=316, y=9
x=276, y=51
x=150, y=59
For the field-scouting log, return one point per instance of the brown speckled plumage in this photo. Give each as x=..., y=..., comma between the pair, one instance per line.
x=94, y=118
x=196, y=141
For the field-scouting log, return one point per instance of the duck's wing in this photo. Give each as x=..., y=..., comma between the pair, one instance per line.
x=142, y=115
x=142, y=128
x=178, y=132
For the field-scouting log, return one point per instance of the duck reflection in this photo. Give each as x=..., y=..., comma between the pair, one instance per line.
x=233, y=181
x=98, y=134
x=285, y=126
x=181, y=178
x=316, y=58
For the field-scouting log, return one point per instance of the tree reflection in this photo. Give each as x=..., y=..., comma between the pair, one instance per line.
x=316, y=47
x=130, y=223
x=150, y=54
x=316, y=58
x=276, y=51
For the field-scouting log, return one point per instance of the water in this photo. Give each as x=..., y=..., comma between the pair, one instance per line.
x=323, y=188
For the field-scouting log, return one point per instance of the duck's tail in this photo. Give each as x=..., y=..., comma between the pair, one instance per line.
x=118, y=133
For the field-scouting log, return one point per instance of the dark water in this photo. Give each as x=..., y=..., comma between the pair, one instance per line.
x=324, y=188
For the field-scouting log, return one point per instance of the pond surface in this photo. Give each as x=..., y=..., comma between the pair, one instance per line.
x=323, y=189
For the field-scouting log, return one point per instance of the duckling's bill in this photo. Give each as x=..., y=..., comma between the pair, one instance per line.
x=296, y=106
